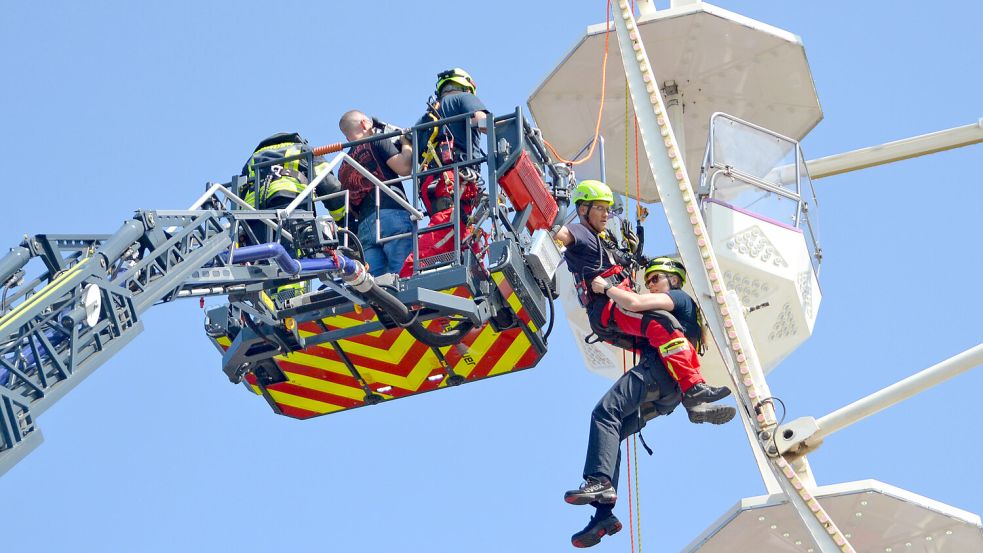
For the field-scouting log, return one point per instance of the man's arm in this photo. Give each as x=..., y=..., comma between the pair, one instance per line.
x=480, y=120
x=630, y=301
x=402, y=163
x=564, y=236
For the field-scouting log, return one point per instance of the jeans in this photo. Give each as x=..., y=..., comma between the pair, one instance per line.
x=389, y=256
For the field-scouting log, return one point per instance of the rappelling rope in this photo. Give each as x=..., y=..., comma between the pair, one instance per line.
x=600, y=109
x=635, y=519
x=631, y=518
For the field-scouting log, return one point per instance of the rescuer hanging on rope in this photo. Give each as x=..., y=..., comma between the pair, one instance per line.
x=664, y=326
x=591, y=253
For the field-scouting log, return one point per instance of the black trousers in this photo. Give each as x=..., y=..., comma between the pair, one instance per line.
x=618, y=414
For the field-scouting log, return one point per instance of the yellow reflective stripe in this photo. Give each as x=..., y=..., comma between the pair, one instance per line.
x=276, y=146
x=286, y=184
x=338, y=214
x=295, y=164
x=54, y=286
x=675, y=345
x=672, y=371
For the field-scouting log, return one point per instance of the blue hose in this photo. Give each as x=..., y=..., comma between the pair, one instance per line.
x=289, y=265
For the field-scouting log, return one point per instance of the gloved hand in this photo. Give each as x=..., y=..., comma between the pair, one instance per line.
x=631, y=239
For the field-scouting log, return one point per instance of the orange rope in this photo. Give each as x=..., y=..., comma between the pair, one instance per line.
x=600, y=109
x=638, y=178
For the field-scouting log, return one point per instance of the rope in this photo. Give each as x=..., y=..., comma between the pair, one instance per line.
x=639, y=210
x=638, y=499
x=635, y=519
x=631, y=517
x=627, y=112
x=600, y=109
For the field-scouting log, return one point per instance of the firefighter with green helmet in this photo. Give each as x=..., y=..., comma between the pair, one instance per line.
x=664, y=326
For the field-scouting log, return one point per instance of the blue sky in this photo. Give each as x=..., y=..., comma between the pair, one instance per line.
x=108, y=107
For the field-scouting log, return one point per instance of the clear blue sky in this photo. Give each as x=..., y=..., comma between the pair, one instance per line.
x=107, y=107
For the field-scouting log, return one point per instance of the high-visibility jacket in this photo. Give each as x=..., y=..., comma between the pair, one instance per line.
x=286, y=180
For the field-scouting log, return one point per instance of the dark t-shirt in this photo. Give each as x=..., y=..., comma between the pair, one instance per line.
x=585, y=257
x=451, y=105
x=685, y=311
x=361, y=192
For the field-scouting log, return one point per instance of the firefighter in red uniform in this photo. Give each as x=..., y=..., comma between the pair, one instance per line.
x=444, y=145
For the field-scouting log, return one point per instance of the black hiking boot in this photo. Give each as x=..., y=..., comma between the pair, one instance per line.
x=596, y=529
x=704, y=393
x=713, y=414
x=594, y=489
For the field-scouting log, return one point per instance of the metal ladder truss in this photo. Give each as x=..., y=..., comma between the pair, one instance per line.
x=69, y=302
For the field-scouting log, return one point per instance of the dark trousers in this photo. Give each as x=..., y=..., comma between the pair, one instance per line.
x=617, y=415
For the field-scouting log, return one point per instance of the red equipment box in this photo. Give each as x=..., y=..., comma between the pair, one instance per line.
x=523, y=185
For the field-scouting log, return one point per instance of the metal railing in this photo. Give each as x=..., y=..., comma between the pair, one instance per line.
x=753, y=168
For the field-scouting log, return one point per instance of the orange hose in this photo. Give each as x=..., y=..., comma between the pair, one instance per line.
x=600, y=109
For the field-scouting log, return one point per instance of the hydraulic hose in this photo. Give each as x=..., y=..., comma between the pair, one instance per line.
x=278, y=254
x=389, y=304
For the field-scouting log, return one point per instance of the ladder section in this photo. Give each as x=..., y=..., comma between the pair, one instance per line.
x=724, y=313
x=57, y=328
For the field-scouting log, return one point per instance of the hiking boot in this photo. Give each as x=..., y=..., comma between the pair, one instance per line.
x=704, y=393
x=594, y=489
x=596, y=529
x=713, y=414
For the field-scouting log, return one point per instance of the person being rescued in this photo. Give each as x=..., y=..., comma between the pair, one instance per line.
x=591, y=254
x=443, y=145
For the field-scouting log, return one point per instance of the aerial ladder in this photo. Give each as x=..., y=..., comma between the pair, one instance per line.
x=472, y=313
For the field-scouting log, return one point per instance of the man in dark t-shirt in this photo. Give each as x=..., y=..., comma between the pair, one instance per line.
x=443, y=145
x=378, y=216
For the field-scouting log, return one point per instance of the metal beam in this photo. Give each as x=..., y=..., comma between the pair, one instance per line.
x=896, y=151
x=898, y=392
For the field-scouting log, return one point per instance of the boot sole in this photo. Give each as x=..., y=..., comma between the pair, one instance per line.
x=586, y=499
x=593, y=538
x=717, y=414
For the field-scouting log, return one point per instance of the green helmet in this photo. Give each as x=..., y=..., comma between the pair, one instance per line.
x=666, y=265
x=456, y=75
x=592, y=191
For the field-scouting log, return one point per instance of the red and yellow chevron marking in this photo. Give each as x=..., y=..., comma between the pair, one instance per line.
x=391, y=363
x=505, y=287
